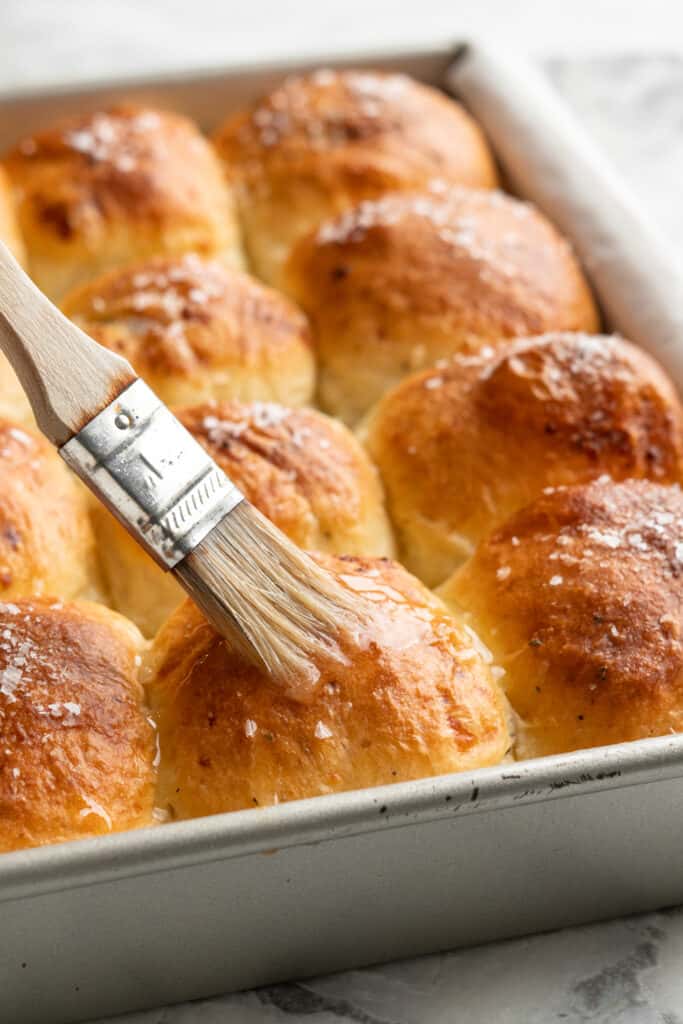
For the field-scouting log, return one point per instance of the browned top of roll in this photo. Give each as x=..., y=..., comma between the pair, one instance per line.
x=184, y=317
x=467, y=443
x=76, y=748
x=415, y=699
x=108, y=188
x=357, y=133
x=472, y=265
x=303, y=470
x=580, y=597
x=127, y=161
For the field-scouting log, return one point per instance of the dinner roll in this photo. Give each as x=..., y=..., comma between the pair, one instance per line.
x=415, y=698
x=13, y=402
x=46, y=540
x=394, y=285
x=580, y=598
x=116, y=186
x=14, y=405
x=321, y=142
x=462, y=446
x=76, y=745
x=197, y=330
x=9, y=229
x=306, y=472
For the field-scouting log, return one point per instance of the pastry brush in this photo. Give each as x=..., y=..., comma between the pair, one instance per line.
x=266, y=596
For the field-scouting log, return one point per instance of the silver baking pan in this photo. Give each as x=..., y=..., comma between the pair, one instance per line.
x=237, y=900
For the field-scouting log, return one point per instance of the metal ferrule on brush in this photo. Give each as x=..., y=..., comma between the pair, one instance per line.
x=152, y=474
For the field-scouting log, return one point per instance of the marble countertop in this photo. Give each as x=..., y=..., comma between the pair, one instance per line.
x=622, y=972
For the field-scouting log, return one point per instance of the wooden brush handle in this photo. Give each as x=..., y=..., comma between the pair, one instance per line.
x=67, y=376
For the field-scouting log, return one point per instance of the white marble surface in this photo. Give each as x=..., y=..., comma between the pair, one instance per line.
x=623, y=972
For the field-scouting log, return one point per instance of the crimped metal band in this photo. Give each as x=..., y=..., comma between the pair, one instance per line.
x=152, y=474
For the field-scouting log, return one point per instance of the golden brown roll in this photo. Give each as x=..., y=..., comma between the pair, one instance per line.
x=580, y=598
x=397, y=284
x=9, y=229
x=76, y=745
x=47, y=544
x=304, y=471
x=117, y=186
x=196, y=330
x=415, y=699
x=13, y=402
x=321, y=142
x=462, y=446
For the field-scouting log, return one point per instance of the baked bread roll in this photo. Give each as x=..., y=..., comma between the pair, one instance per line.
x=304, y=471
x=14, y=405
x=580, y=598
x=76, y=744
x=462, y=446
x=395, y=285
x=13, y=402
x=322, y=142
x=9, y=229
x=196, y=330
x=47, y=544
x=415, y=699
x=117, y=186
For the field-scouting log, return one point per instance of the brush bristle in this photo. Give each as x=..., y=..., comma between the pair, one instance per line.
x=269, y=599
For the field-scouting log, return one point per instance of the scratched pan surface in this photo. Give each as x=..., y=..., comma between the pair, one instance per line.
x=237, y=900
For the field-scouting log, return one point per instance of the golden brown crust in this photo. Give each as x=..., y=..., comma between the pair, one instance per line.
x=119, y=185
x=462, y=446
x=580, y=598
x=416, y=699
x=197, y=330
x=321, y=142
x=46, y=540
x=76, y=746
x=396, y=284
x=9, y=229
x=304, y=471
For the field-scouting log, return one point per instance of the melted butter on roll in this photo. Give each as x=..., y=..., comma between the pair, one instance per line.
x=414, y=698
x=116, y=186
x=579, y=596
x=305, y=472
x=195, y=330
x=396, y=284
x=322, y=142
x=77, y=747
x=464, y=445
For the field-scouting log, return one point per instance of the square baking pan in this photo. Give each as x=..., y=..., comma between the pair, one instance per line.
x=237, y=900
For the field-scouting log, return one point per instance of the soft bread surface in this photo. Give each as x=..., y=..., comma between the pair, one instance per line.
x=13, y=402
x=463, y=446
x=415, y=699
x=116, y=186
x=47, y=545
x=321, y=142
x=580, y=598
x=76, y=745
x=396, y=284
x=304, y=471
x=195, y=329
x=9, y=228
x=14, y=405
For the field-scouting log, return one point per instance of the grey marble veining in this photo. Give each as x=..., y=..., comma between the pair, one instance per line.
x=621, y=972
